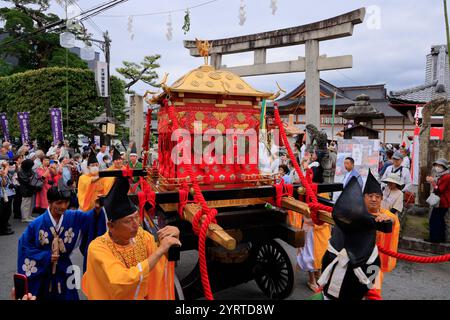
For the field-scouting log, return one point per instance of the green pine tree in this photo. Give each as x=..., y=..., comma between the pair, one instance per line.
x=144, y=71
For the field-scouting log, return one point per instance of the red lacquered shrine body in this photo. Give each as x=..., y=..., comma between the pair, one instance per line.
x=211, y=102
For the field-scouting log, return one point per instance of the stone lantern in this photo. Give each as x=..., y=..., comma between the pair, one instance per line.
x=362, y=114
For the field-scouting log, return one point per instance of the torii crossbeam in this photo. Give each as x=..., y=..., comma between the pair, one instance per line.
x=310, y=35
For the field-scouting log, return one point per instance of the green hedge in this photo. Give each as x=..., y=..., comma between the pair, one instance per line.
x=38, y=90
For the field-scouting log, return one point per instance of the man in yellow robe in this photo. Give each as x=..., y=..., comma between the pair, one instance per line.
x=117, y=165
x=90, y=186
x=126, y=263
x=373, y=196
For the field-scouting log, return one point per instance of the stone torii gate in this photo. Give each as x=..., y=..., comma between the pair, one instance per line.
x=310, y=35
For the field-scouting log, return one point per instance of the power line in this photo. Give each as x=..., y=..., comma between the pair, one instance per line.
x=82, y=16
x=100, y=6
x=159, y=12
x=91, y=22
x=344, y=75
x=103, y=9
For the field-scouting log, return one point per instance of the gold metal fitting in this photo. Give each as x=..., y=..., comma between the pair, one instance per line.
x=301, y=190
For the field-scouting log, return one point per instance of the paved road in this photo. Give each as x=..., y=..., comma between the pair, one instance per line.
x=408, y=281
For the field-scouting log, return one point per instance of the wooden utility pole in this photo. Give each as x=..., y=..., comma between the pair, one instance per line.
x=108, y=109
x=447, y=30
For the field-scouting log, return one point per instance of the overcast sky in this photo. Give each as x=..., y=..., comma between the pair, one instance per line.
x=393, y=55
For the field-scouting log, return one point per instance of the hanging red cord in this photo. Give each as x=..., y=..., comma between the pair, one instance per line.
x=147, y=136
x=311, y=195
x=315, y=205
x=209, y=213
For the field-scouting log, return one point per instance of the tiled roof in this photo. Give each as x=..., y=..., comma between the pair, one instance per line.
x=383, y=106
x=423, y=93
x=437, y=79
x=296, y=97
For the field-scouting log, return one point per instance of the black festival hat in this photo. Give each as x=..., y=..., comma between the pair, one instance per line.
x=356, y=223
x=133, y=150
x=372, y=185
x=116, y=154
x=92, y=157
x=117, y=204
x=355, y=231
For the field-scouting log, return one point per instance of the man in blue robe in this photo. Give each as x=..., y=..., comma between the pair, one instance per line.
x=46, y=245
x=94, y=226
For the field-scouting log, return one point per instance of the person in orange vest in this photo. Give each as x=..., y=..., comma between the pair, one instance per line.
x=351, y=261
x=126, y=263
x=352, y=264
x=373, y=196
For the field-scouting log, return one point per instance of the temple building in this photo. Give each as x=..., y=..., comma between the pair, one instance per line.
x=394, y=127
x=410, y=101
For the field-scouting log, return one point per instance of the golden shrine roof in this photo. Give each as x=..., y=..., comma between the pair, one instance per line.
x=207, y=80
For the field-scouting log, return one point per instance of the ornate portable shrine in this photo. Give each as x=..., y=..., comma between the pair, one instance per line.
x=221, y=209
x=211, y=103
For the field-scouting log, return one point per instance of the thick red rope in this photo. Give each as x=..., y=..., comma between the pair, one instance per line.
x=209, y=213
x=418, y=259
x=147, y=136
x=315, y=205
x=127, y=172
x=310, y=194
x=146, y=195
x=282, y=190
x=183, y=195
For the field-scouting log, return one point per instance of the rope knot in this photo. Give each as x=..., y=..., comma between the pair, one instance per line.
x=127, y=172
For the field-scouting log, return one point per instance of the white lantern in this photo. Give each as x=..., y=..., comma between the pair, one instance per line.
x=87, y=53
x=67, y=40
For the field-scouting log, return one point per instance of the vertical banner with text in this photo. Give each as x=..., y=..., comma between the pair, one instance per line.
x=24, y=124
x=57, y=124
x=5, y=127
x=101, y=78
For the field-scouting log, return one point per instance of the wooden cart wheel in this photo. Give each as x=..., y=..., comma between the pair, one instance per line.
x=273, y=270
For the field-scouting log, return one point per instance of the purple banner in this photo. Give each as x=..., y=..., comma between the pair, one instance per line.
x=5, y=128
x=24, y=124
x=56, y=120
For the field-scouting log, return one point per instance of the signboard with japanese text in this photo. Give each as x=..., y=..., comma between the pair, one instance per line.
x=365, y=152
x=101, y=78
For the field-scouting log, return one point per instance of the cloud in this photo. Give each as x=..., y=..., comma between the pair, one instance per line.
x=394, y=54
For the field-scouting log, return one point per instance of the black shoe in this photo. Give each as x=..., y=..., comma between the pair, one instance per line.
x=7, y=232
